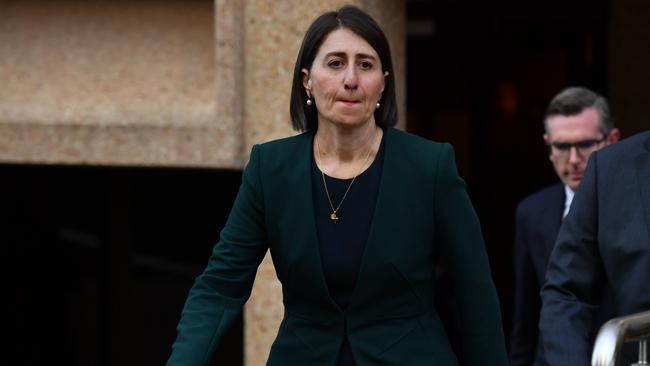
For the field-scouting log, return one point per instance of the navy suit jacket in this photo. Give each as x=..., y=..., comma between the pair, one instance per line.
x=538, y=221
x=605, y=239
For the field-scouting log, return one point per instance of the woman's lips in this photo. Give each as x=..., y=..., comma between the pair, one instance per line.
x=349, y=103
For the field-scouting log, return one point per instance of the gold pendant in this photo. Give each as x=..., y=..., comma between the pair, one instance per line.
x=333, y=217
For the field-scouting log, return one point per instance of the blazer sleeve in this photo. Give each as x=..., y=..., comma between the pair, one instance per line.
x=219, y=293
x=458, y=234
x=572, y=291
x=523, y=340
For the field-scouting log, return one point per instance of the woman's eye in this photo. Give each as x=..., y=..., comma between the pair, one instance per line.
x=365, y=65
x=335, y=64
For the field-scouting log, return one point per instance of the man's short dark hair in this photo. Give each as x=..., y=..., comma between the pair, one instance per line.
x=573, y=100
x=303, y=117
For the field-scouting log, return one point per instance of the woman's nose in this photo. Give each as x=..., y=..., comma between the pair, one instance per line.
x=351, y=80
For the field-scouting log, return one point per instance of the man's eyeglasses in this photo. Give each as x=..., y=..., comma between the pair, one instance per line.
x=583, y=147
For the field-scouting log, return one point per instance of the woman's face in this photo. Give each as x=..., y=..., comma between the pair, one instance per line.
x=345, y=80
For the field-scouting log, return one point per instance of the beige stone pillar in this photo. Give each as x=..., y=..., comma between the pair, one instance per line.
x=273, y=32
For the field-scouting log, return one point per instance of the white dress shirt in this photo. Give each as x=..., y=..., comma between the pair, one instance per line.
x=568, y=193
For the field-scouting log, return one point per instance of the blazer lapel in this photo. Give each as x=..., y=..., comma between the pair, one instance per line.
x=381, y=217
x=306, y=269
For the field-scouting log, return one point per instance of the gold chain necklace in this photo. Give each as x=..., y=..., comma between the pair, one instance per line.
x=334, y=215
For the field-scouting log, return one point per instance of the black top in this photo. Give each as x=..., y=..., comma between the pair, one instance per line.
x=342, y=243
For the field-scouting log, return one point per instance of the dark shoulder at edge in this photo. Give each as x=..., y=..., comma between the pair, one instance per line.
x=626, y=148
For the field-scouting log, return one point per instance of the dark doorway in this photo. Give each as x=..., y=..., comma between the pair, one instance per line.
x=99, y=260
x=480, y=75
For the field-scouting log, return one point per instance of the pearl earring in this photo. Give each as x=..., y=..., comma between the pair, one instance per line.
x=378, y=105
x=309, y=102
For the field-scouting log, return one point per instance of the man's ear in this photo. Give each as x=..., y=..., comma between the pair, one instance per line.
x=613, y=136
x=386, y=73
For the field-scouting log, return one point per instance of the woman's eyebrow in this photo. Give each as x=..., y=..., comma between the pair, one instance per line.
x=344, y=55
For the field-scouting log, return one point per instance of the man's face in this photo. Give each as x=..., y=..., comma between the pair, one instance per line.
x=572, y=139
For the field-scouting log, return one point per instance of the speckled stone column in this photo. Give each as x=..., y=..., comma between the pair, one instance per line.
x=273, y=32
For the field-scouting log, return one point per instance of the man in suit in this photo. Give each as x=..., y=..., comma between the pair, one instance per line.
x=605, y=239
x=577, y=123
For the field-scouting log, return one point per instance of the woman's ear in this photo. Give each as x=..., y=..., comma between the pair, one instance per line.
x=386, y=73
x=306, y=81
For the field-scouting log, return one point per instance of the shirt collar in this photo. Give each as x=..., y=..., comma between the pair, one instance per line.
x=568, y=194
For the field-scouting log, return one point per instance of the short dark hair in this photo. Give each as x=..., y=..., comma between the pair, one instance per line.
x=303, y=117
x=573, y=100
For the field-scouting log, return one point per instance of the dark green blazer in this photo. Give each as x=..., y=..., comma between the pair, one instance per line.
x=422, y=209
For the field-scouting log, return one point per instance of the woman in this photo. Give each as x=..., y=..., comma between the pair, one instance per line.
x=353, y=212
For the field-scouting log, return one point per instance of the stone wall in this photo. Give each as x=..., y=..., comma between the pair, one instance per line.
x=119, y=83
